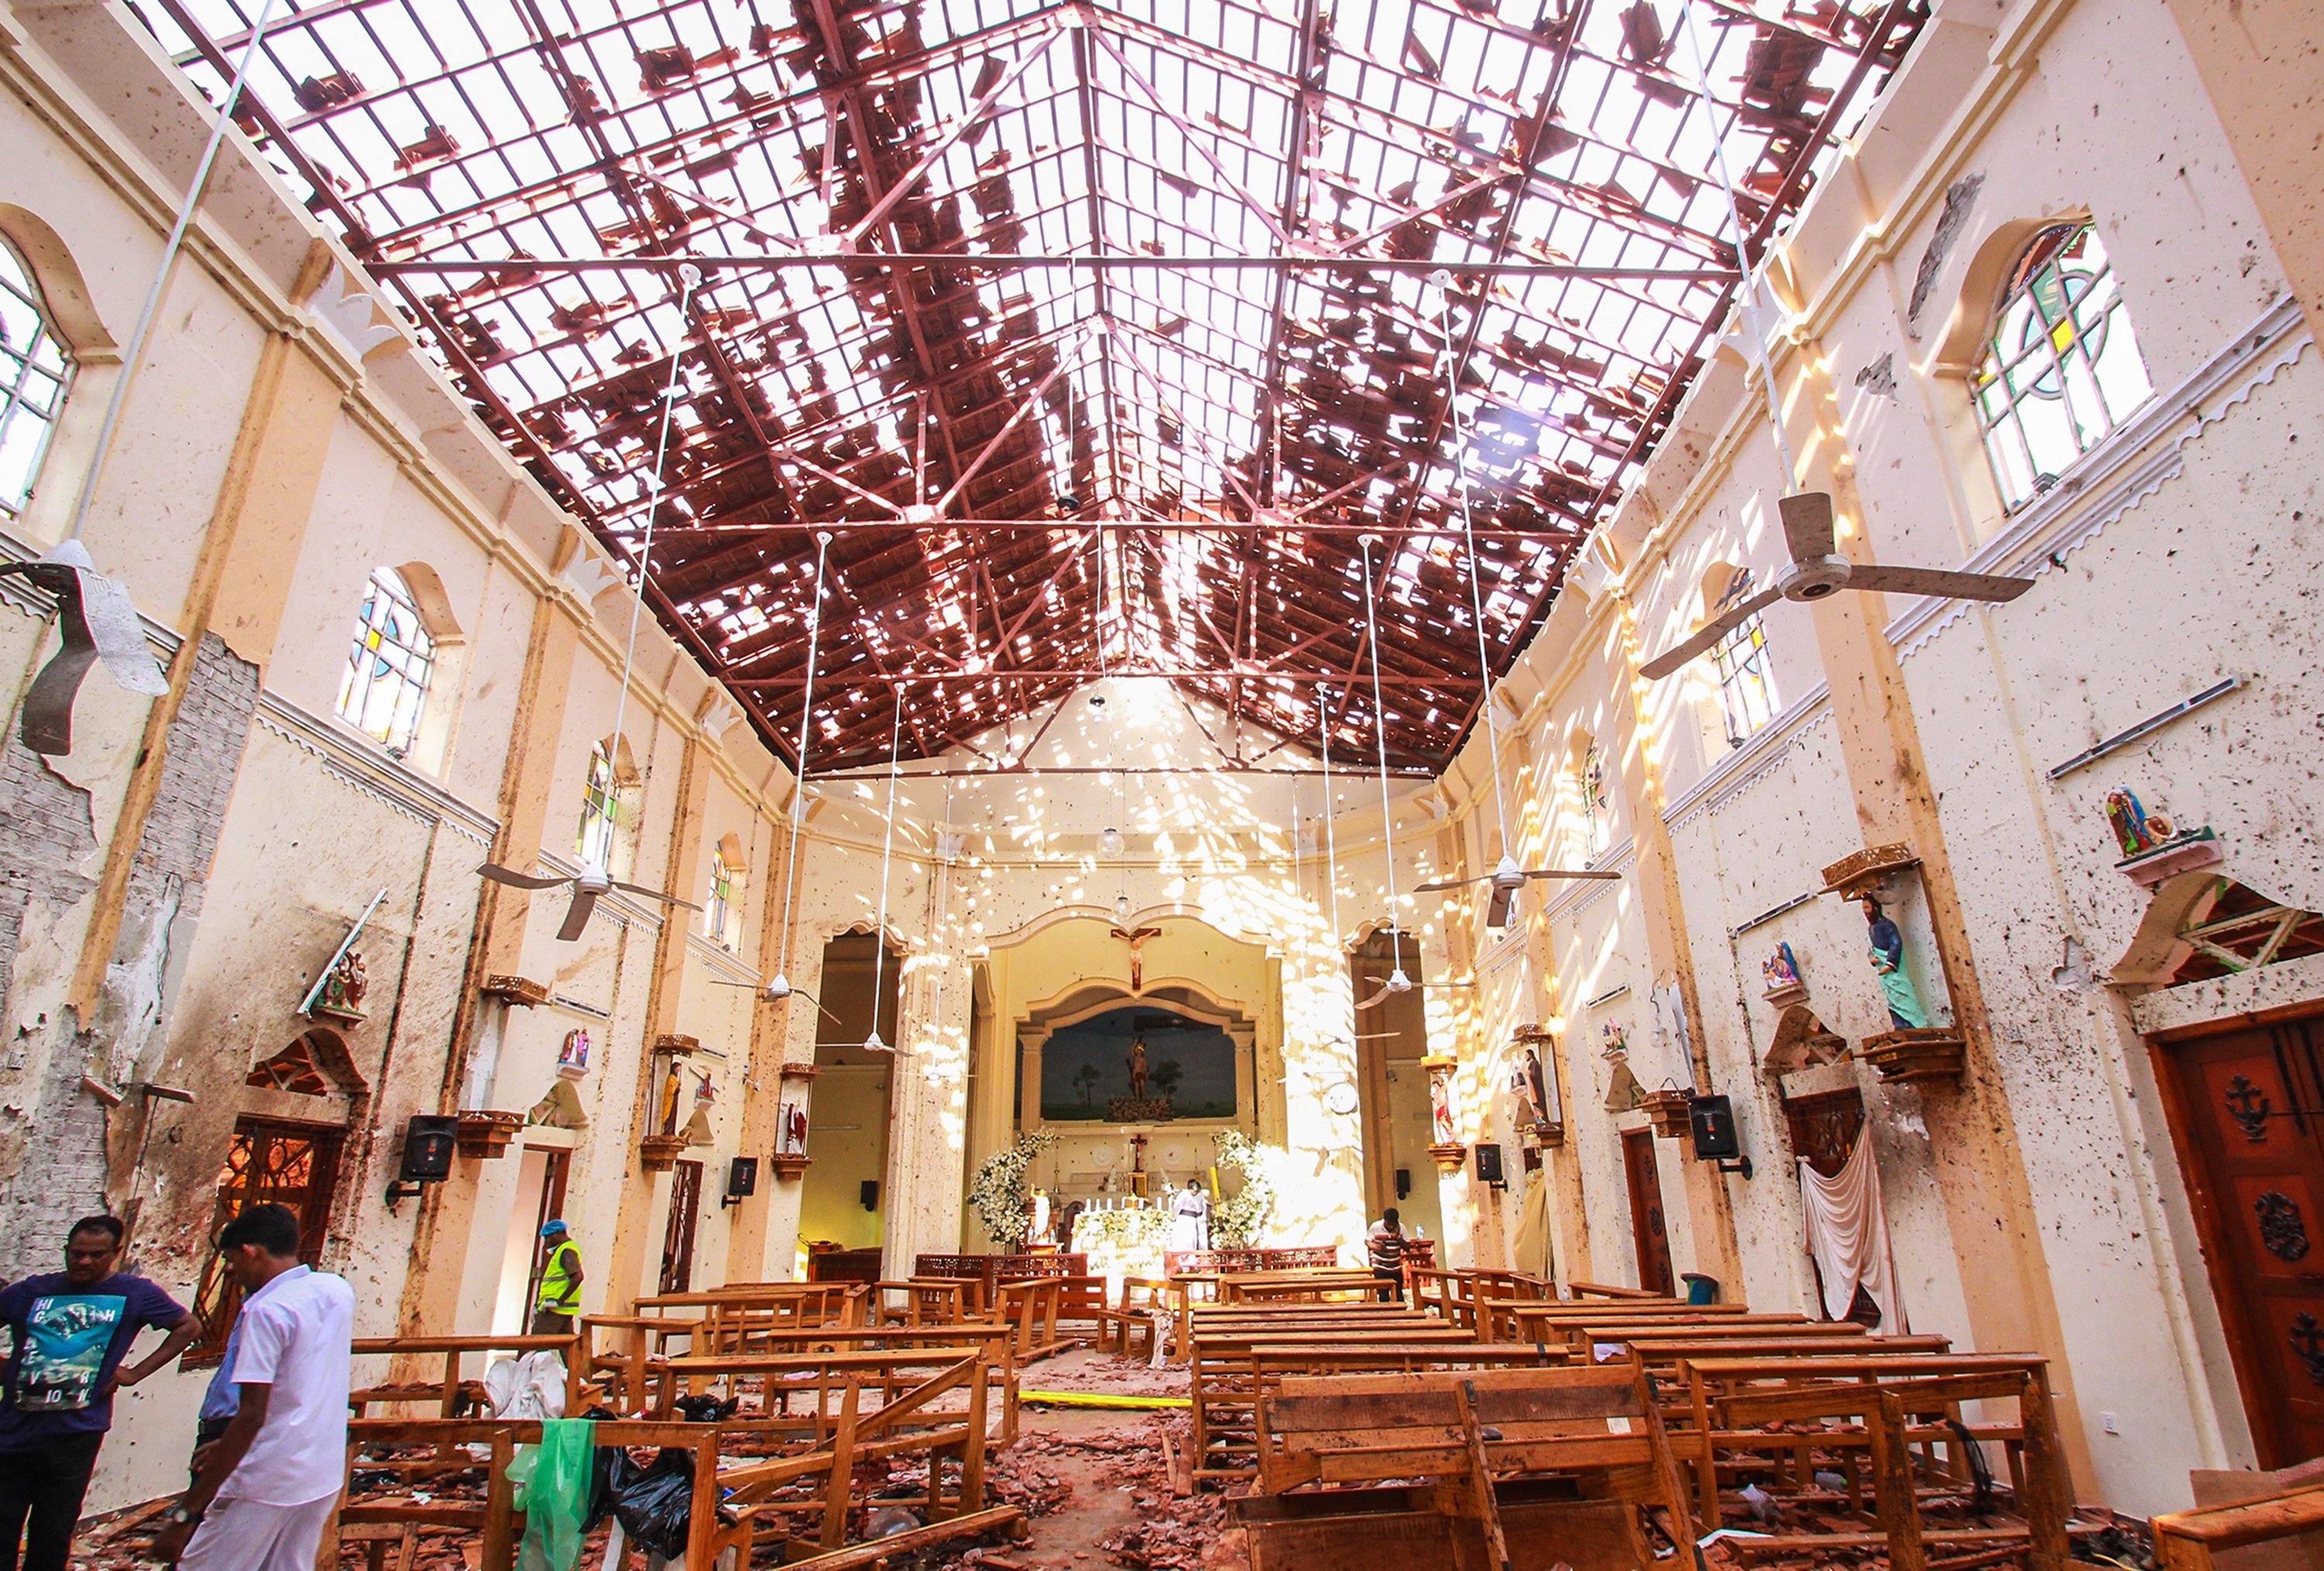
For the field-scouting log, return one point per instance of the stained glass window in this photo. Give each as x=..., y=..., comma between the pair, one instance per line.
x=1747, y=687
x=35, y=371
x=2062, y=367
x=599, y=807
x=283, y=1164
x=720, y=904
x=1597, y=808
x=385, y=685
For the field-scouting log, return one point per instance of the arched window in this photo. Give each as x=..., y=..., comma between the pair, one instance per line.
x=2062, y=368
x=1597, y=806
x=718, y=913
x=36, y=370
x=601, y=808
x=385, y=685
x=1747, y=687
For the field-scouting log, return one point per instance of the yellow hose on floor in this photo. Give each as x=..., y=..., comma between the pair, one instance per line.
x=1101, y=1399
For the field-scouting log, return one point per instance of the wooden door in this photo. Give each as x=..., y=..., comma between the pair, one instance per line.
x=1648, y=1234
x=2248, y=1111
x=269, y=1162
x=554, y=1166
x=677, y=1237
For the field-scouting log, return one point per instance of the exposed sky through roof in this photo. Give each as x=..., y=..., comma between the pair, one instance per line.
x=1151, y=437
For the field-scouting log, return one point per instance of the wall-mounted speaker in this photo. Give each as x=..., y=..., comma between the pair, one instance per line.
x=870, y=1194
x=430, y=1140
x=742, y=1181
x=1488, y=1167
x=1712, y=1119
x=1403, y=1183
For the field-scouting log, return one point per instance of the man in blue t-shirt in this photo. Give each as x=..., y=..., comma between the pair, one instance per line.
x=68, y=1333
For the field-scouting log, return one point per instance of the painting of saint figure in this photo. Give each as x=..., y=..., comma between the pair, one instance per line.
x=1137, y=1064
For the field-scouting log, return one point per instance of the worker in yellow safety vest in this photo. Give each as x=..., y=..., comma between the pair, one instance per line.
x=561, y=1283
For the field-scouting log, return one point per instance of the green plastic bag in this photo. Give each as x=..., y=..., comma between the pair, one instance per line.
x=553, y=1483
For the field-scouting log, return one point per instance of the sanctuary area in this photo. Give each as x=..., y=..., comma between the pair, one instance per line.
x=1276, y=783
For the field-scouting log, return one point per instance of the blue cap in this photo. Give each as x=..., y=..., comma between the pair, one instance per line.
x=554, y=1224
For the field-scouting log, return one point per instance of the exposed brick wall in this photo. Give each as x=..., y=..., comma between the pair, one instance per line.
x=53, y=1133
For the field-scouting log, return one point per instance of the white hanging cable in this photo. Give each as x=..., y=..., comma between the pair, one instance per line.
x=688, y=275
x=136, y=349
x=1754, y=324
x=1398, y=981
x=1330, y=844
x=872, y=1044
x=781, y=986
x=1469, y=536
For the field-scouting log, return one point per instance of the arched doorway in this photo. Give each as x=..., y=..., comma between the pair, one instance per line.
x=842, y=1198
x=1391, y=1039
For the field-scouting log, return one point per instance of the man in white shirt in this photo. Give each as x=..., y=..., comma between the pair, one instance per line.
x=263, y=1491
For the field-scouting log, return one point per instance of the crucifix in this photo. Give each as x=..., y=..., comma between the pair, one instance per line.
x=1138, y=1164
x=1135, y=938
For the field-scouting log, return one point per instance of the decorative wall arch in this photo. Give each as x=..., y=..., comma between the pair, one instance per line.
x=1960, y=346
x=427, y=593
x=63, y=290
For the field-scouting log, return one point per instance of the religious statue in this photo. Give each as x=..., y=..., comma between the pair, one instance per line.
x=1190, y=1218
x=1781, y=969
x=1137, y=1069
x=1440, y=1104
x=791, y=1129
x=1904, y=1011
x=1135, y=938
x=1614, y=1043
x=2135, y=830
x=1038, y=1205
x=1527, y=1084
x=672, y=1081
x=344, y=986
x=573, y=1057
x=704, y=1093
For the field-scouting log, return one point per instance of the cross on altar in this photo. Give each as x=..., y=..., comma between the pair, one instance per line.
x=1135, y=938
x=1138, y=1164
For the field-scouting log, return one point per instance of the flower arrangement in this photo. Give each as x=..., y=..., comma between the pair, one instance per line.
x=999, y=1191
x=1130, y=1227
x=1235, y=1223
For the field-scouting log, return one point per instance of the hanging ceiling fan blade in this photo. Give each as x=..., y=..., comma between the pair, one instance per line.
x=576, y=915
x=1807, y=525
x=1569, y=872
x=1671, y=659
x=511, y=876
x=1938, y=582
x=1497, y=914
x=656, y=894
x=1374, y=1000
x=1449, y=884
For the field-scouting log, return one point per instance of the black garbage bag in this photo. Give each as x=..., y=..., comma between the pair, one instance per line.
x=652, y=1503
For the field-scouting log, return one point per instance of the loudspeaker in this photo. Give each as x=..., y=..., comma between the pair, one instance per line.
x=742, y=1181
x=1488, y=1167
x=429, y=1142
x=1712, y=1119
x=1403, y=1183
x=870, y=1194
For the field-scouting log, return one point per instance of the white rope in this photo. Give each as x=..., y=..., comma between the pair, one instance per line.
x=1379, y=729
x=1754, y=325
x=153, y=307
x=887, y=850
x=1476, y=594
x=798, y=788
x=688, y=275
x=1330, y=844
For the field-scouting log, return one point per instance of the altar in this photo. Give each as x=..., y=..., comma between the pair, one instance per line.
x=1122, y=1237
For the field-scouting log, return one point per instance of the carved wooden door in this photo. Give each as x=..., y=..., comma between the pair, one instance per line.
x=677, y=1237
x=1647, y=1233
x=2249, y=1118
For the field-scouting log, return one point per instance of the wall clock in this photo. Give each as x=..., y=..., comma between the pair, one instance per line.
x=1340, y=1098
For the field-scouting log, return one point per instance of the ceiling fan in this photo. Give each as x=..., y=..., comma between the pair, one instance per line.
x=1817, y=571
x=589, y=886
x=1506, y=878
x=778, y=991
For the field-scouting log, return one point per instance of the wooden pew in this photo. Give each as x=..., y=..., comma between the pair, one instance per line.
x=448, y=1392
x=820, y=1362
x=925, y=1301
x=2187, y=1540
x=1328, y=1448
x=1887, y=1396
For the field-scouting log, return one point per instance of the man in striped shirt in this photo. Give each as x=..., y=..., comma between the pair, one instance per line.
x=1385, y=1244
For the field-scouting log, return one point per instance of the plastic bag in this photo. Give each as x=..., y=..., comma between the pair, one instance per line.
x=554, y=1493
x=653, y=1504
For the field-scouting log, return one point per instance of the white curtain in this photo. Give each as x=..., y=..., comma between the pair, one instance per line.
x=1847, y=1235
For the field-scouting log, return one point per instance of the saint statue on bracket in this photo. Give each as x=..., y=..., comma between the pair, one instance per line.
x=1904, y=1011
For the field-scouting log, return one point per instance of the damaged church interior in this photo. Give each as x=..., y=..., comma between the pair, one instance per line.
x=1191, y=784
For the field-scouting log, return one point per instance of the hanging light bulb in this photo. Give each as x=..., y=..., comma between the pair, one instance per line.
x=1111, y=841
x=1121, y=907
